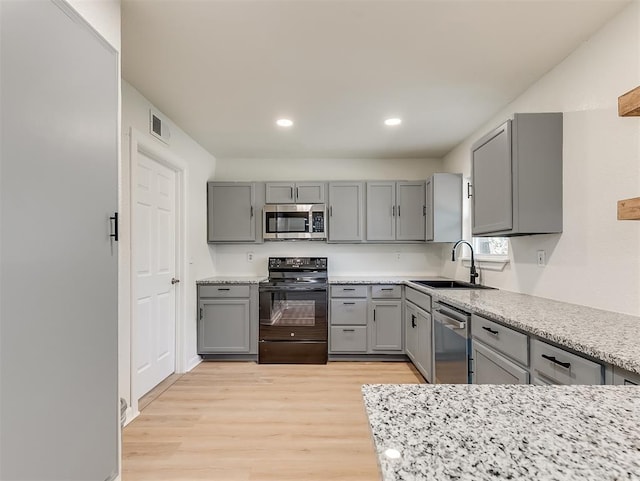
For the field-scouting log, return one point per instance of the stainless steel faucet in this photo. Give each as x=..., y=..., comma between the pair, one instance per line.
x=472, y=273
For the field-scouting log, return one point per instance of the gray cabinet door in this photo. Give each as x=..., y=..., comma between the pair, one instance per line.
x=424, y=342
x=386, y=326
x=346, y=211
x=410, y=211
x=625, y=378
x=489, y=367
x=410, y=331
x=429, y=209
x=223, y=326
x=59, y=186
x=231, y=212
x=444, y=207
x=280, y=192
x=492, y=199
x=309, y=192
x=381, y=211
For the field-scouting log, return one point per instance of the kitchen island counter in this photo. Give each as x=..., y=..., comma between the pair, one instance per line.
x=488, y=432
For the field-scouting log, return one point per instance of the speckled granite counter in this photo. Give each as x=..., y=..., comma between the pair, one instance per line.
x=605, y=335
x=485, y=432
x=231, y=280
x=377, y=279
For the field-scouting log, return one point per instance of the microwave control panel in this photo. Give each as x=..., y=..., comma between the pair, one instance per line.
x=318, y=222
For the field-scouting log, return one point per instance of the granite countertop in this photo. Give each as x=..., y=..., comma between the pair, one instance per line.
x=231, y=280
x=378, y=279
x=520, y=432
x=606, y=335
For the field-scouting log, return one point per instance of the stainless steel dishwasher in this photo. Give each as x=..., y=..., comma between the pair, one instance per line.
x=451, y=344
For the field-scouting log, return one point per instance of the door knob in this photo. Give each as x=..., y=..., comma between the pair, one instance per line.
x=174, y=280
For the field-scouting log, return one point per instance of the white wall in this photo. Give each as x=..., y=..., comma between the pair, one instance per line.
x=103, y=15
x=200, y=165
x=596, y=260
x=390, y=259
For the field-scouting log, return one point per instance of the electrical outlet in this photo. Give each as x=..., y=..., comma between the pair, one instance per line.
x=249, y=256
x=542, y=258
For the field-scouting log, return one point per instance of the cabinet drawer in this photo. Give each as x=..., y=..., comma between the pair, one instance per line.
x=385, y=292
x=489, y=367
x=563, y=367
x=420, y=299
x=512, y=343
x=348, y=339
x=346, y=311
x=624, y=377
x=348, y=291
x=224, y=291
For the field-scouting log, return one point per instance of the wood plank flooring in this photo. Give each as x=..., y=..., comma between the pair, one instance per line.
x=237, y=421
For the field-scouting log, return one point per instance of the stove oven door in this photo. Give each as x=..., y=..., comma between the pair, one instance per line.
x=293, y=313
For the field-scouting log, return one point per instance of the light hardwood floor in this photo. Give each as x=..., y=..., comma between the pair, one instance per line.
x=232, y=421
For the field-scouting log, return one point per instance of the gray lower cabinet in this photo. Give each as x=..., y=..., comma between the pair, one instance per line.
x=418, y=331
x=557, y=366
x=386, y=326
x=444, y=207
x=348, y=319
x=624, y=377
x=225, y=324
x=366, y=319
x=517, y=177
x=490, y=367
x=232, y=212
x=346, y=212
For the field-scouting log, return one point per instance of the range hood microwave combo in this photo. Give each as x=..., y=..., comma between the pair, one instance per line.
x=294, y=222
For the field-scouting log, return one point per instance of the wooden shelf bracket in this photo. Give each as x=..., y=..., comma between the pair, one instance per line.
x=629, y=209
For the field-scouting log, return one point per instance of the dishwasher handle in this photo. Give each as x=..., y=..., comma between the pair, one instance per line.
x=451, y=312
x=449, y=322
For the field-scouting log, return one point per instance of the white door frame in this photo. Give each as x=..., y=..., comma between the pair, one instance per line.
x=140, y=143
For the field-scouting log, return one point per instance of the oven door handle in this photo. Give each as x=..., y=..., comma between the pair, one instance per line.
x=295, y=289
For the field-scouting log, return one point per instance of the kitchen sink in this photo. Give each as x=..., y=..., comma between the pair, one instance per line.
x=442, y=284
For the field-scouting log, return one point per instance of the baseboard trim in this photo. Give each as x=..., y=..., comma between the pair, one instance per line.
x=193, y=362
x=131, y=415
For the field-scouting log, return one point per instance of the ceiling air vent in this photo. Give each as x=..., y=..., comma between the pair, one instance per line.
x=159, y=126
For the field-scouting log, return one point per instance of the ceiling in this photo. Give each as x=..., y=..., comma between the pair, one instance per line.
x=225, y=70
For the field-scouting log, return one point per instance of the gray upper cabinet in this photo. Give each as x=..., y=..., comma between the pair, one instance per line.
x=410, y=219
x=346, y=212
x=381, y=211
x=231, y=212
x=295, y=192
x=517, y=177
x=396, y=211
x=444, y=207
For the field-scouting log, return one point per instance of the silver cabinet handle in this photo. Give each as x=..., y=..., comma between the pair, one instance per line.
x=424, y=210
x=330, y=211
x=374, y=315
x=201, y=313
x=398, y=211
x=393, y=211
x=297, y=193
x=224, y=288
x=291, y=192
x=251, y=211
x=349, y=303
x=348, y=330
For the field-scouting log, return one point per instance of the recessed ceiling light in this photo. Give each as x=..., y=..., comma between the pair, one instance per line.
x=393, y=121
x=284, y=122
x=392, y=453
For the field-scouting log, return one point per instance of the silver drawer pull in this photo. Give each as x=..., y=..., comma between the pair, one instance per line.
x=348, y=288
x=387, y=289
x=224, y=288
x=349, y=303
x=348, y=330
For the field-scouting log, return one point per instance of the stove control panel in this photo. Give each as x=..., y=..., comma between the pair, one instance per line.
x=294, y=263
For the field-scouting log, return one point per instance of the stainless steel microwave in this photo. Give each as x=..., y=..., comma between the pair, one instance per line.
x=294, y=221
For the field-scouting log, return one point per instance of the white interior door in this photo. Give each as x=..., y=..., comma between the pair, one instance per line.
x=154, y=244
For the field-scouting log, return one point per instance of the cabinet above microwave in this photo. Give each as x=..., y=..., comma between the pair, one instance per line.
x=295, y=192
